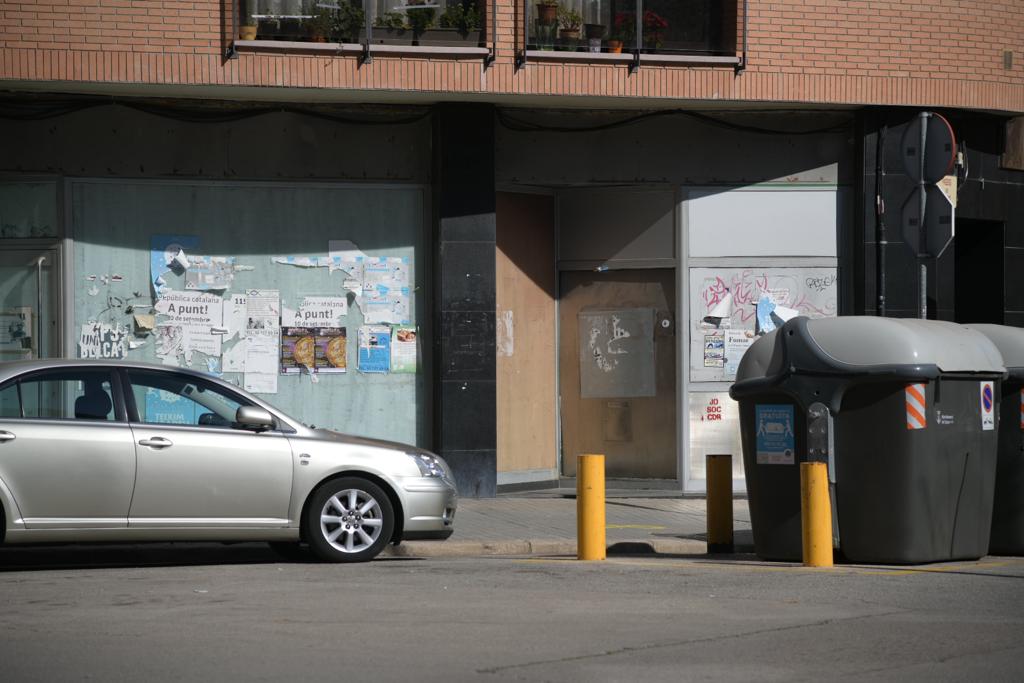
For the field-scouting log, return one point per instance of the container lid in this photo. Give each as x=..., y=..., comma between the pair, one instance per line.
x=870, y=341
x=817, y=360
x=1009, y=341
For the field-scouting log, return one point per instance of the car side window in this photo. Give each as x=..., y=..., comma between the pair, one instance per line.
x=171, y=398
x=71, y=394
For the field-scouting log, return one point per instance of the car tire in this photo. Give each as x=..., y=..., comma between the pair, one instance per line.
x=349, y=519
x=291, y=551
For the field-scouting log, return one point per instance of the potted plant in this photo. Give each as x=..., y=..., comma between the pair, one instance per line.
x=390, y=28
x=320, y=26
x=569, y=22
x=623, y=31
x=348, y=21
x=461, y=18
x=593, y=31
x=250, y=24
x=547, y=12
x=654, y=26
x=420, y=19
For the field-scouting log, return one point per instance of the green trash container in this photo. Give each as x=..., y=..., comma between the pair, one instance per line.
x=913, y=406
x=1008, y=502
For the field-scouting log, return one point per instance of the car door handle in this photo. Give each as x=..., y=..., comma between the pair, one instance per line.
x=156, y=442
x=7, y=436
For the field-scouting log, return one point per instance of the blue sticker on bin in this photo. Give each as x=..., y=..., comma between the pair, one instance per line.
x=776, y=440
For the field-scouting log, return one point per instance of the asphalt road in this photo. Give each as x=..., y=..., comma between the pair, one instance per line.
x=170, y=613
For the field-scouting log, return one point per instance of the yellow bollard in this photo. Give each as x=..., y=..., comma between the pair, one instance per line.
x=590, y=524
x=816, y=514
x=719, y=503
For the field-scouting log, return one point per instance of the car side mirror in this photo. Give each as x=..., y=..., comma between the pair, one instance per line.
x=253, y=417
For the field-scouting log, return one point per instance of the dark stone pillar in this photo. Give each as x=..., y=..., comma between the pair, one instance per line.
x=464, y=241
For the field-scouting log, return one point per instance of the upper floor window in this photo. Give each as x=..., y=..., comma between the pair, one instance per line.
x=684, y=27
x=386, y=22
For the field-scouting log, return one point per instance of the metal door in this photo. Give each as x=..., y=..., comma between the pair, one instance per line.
x=617, y=371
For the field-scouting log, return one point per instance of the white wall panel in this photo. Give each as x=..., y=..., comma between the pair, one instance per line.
x=762, y=222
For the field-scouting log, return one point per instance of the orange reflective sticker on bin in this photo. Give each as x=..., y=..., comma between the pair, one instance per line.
x=914, y=394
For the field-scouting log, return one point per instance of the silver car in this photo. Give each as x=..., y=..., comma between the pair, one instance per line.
x=120, y=451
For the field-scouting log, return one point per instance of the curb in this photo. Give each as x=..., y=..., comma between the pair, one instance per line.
x=538, y=548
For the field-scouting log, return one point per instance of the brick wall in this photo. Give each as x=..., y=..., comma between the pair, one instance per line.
x=923, y=53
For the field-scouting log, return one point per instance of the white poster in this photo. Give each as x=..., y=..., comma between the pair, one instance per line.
x=317, y=311
x=197, y=310
x=235, y=309
x=262, y=336
x=260, y=382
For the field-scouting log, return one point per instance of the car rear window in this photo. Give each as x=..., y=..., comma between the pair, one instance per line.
x=72, y=394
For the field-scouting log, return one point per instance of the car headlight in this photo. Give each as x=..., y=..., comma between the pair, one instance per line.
x=431, y=465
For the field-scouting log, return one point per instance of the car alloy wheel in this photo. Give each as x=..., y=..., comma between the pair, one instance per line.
x=349, y=520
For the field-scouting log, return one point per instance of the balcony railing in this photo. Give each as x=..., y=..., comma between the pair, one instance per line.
x=696, y=28
x=414, y=23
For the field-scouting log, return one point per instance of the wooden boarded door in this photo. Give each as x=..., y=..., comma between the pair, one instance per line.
x=525, y=349
x=617, y=371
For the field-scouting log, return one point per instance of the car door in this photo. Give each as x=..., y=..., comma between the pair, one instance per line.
x=194, y=468
x=66, y=451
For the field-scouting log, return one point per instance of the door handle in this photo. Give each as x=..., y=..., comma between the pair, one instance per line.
x=156, y=442
x=6, y=436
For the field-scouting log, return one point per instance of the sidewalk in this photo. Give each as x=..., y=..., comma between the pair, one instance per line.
x=544, y=523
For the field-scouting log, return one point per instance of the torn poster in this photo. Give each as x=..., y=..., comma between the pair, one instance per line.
x=403, y=350
x=174, y=341
x=386, y=307
x=260, y=382
x=210, y=273
x=323, y=311
x=233, y=358
x=345, y=255
x=374, y=348
x=166, y=253
x=100, y=340
x=765, y=306
x=234, y=322
x=169, y=343
x=16, y=333
x=144, y=322
x=385, y=273
x=505, y=343
x=302, y=261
